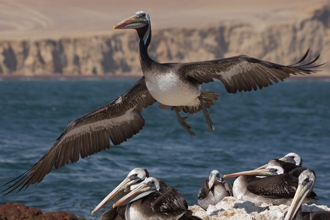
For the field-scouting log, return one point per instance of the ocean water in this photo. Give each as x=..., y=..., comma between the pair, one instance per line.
x=251, y=128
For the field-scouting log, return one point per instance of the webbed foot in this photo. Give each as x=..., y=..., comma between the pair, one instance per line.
x=206, y=114
x=182, y=121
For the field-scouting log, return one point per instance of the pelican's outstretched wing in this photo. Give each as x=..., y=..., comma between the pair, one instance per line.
x=244, y=73
x=117, y=121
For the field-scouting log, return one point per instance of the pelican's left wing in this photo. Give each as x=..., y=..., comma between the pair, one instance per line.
x=204, y=190
x=244, y=73
x=117, y=121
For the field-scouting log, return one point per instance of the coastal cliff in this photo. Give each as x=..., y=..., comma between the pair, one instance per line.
x=117, y=54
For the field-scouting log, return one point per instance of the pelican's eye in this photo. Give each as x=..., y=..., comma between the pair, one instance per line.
x=151, y=183
x=143, y=14
x=305, y=181
x=273, y=170
x=133, y=176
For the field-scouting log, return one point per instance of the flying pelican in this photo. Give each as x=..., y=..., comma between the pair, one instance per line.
x=306, y=183
x=171, y=84
x=152, y=200
x=213, y=190
x=276, y=187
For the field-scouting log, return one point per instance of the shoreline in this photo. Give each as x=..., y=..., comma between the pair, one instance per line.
x=130, y=76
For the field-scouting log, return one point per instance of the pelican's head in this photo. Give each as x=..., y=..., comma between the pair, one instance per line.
x=148, y=186
x=214, y=176
x=138, y=20
x=136, y=176
x=292, y=158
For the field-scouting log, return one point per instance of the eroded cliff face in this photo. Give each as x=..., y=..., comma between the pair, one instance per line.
x=117, y=54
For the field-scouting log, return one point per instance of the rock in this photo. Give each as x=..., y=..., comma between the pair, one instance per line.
x=231, y=208
x=17, y=211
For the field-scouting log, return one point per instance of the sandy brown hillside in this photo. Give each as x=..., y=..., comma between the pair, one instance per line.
x=43, y=19
x=75, y=38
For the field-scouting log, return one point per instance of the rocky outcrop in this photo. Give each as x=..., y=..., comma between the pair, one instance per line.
x=234, y=209
x=17, y=211
x=228, y=208
x=117, y=54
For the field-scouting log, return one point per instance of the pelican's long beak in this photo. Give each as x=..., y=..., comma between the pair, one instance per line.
x=126, y=182
x=260, y=172
x=302, y=191
x=140, y=191
x=132, y=22
x=211, y=181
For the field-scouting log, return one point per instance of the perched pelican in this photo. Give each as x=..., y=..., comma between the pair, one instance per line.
x=171, y=84
x=270, y=185
x=151, y=200
x=306, y=183
x=213, y=190
x=136, y=176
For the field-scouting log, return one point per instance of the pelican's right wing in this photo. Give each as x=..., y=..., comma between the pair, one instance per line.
x=244, y=73
x=117, y=121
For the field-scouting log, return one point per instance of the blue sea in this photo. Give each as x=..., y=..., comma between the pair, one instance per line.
x=250, y=129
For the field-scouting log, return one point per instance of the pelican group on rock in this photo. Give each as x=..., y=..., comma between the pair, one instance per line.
x=139, y=196
x=150, y=200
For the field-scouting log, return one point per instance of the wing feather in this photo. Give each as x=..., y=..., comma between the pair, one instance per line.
x=204, y=190
x=91, y=133
x=283, y=186
x=244, y=73
x=170, y=203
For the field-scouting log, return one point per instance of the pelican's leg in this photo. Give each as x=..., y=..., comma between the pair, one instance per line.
x=182, y=121
x=206, y=114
